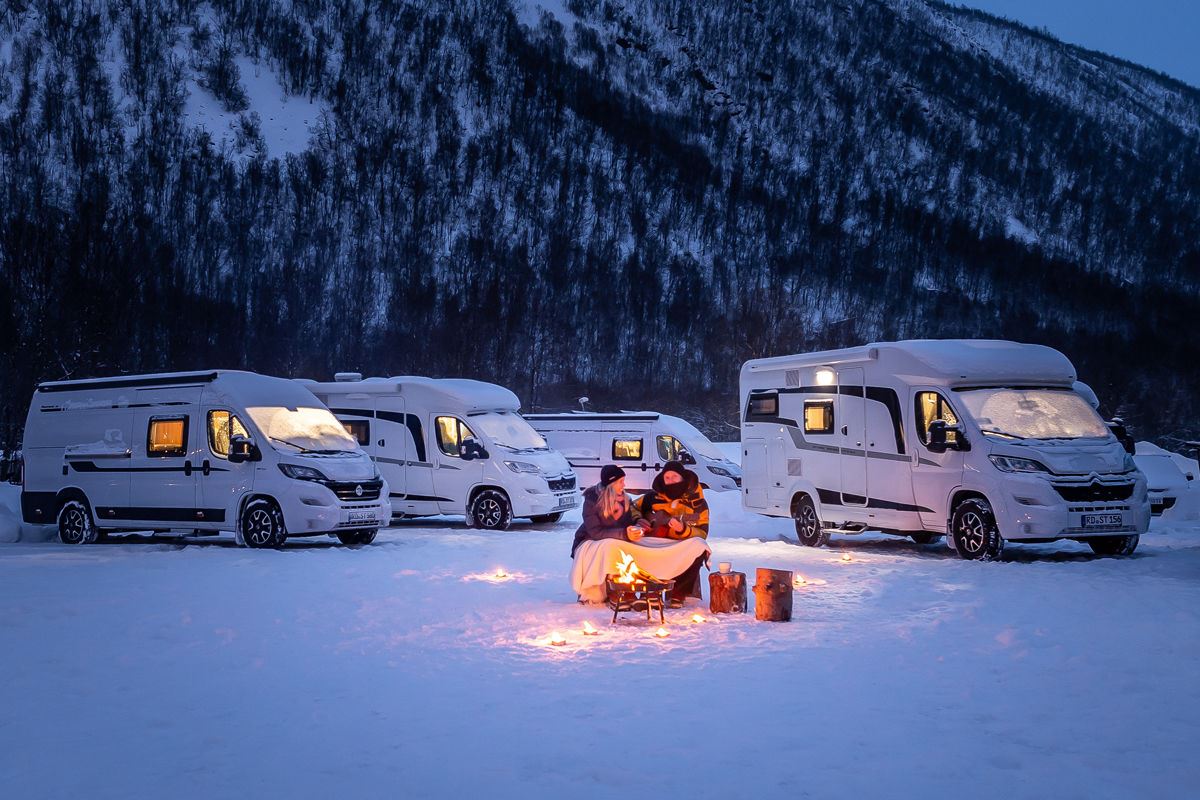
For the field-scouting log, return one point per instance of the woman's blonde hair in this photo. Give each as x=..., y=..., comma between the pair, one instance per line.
x=613, y=504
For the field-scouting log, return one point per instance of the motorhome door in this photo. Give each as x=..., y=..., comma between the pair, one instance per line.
x=852, y=418
x=165, y=462
x=754, y=473
x=222, y=483
x=934, y=475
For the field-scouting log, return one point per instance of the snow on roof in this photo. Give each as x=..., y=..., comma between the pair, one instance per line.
x=953, y=361
x=450, y=393
x=237, y=386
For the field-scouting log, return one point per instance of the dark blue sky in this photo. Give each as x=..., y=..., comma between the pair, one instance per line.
x=1162, y=34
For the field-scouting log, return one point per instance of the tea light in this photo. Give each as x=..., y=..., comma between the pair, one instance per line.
x=501, y=574
x=801, y=581
x=557, y=639
x=662, y=633
x=698, y=618
x=589, y=629
x=846, y=557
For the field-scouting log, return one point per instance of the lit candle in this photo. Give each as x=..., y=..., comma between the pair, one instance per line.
x=800, y=581
x=697, y=618
x=501, y=574
x=662, y=633
x=846, y=557
x=556, y=639
x=589, y=629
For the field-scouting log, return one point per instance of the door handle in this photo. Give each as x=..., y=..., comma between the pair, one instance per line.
x=381, y=442
x=187, y=468
x=206, y=467
x=845, y=430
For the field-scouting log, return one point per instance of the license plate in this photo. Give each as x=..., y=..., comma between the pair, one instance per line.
x=566, y=502
x=362, y=516
x=1101, y=520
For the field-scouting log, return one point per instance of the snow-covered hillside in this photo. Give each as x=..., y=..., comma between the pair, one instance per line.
x=207, y=671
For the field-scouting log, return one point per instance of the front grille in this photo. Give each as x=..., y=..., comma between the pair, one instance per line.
x=348, y=490
x=1095, y=492
x=562, y=484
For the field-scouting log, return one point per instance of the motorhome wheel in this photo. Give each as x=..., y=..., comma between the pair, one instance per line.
x=357, y=537
x=262, y=524
x=926, y=538
x=490, y=510
x=808, y=525
x=541, y=519
x=1114, y=545
x=976, y=535
x=75, y=524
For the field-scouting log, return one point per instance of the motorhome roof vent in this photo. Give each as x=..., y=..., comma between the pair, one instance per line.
x=792, y=378
x=347, y=377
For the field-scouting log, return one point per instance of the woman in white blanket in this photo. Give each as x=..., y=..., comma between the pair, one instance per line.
x=611, y=526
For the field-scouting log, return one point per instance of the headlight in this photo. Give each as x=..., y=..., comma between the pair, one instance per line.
x=724, y=473
x=522, y=466
x=1014, y=464
x=297, y=472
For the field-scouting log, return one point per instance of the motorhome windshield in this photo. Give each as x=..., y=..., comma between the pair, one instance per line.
x=507, y=429
x=302, y=430
x=697, y=443
x=1033, y=414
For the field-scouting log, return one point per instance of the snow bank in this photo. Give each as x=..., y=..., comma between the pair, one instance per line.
x=12, y=529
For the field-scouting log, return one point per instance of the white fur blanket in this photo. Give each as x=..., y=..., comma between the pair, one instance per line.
x=662, y=558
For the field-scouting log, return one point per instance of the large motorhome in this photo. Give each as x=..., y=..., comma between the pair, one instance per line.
x=196, y=452
x=453, y=446
x=640, y=442
x=980, y=441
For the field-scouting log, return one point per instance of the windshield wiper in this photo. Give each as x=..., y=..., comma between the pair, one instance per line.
x=1004, y=433
x=299, y=447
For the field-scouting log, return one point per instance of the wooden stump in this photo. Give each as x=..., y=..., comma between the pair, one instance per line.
x=727, y=592
x=773, y=595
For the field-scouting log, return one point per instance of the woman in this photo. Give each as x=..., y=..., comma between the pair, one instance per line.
x=612, y=527
x=675, y=508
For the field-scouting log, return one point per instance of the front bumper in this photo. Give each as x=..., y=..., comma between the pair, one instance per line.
x=312, y=509
x=1039, y=509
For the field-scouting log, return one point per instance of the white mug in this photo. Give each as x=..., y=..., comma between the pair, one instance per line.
x=724, y=566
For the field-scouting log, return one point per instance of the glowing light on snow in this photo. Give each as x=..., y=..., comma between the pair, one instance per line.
x=825, y=377
x=846, y=558
x=557, y=639
x=589, y=629
x=662, y=633
x=698, y=618
x=501, y=574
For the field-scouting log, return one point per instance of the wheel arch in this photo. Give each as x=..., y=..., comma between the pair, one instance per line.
x=799, y=489
x=246, y=500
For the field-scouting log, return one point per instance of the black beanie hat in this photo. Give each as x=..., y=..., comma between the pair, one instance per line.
x=611, y=473
x=677, y=467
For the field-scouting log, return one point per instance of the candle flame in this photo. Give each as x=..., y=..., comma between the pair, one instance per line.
x=846, y=557
x=662, y=633
x=500, y=573
x=698, y=618
x=589, y=629
x=556, y=639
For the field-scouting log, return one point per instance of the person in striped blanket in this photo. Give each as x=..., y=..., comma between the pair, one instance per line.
x=675, y=508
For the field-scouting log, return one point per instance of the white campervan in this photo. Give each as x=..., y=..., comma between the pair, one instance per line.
x=453, y=446
x=640, y=442
x=981, y=440
x=200, y=452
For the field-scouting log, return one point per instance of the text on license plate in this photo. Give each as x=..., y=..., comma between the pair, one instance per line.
x=566, y=502
x=1101, y=520
x=362, y=516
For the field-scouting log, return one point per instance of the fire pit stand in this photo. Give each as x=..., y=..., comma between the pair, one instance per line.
x=637, y=596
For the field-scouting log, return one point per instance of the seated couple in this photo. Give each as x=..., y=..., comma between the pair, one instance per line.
x=664, y=531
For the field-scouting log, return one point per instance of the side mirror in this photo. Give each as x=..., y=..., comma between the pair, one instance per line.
x=471, y=449
x=242, y=449
x=1117, y=426
x=686, y=458
x=939, y=437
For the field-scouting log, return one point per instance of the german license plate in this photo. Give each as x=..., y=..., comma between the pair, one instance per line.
x=566, y=502
x=362, y=516
x=1101, y=520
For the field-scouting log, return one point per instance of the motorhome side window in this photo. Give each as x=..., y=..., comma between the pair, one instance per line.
x=669, y=448
x=166, y=437
x=932, y=406
x=818, y=416
x=763, y=406
x=360, y=429
x=627, y=450
x=221, y=426
x=451, y=432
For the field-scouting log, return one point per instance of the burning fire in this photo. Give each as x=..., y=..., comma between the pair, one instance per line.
x=627, y=570
x=589, y=629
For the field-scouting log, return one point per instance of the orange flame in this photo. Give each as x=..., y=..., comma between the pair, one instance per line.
x=627, y=570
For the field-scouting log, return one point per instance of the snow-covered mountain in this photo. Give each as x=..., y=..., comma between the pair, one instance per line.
x=624, y=199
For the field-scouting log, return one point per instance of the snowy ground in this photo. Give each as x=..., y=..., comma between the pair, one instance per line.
x=151, y=669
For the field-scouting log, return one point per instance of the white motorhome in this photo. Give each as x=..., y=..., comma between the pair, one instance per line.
x=453, y=446
x=198, y=452
x=640, y=442
x=981, y=440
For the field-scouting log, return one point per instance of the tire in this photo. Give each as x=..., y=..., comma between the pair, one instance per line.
x=925, y=538
x=262, y=524
x=1114, y=545
x=542, y=519
x=75, y=523
x=976, y=535
x=490, y=510
x=357, y=537
x=808, y=524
